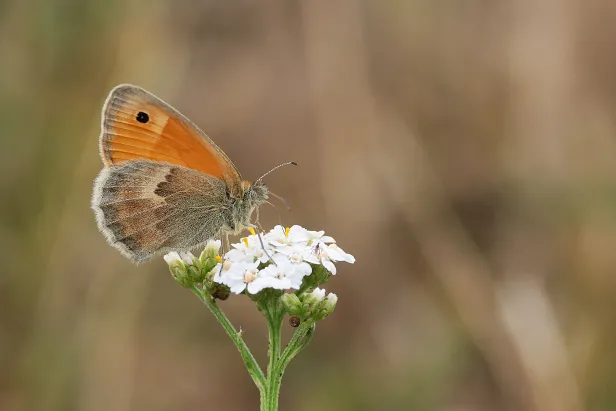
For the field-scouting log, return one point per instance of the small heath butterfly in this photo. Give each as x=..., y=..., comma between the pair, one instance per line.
x=165, y=185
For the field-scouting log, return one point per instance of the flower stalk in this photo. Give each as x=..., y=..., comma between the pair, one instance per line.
x=274, y=324
x=249, y=360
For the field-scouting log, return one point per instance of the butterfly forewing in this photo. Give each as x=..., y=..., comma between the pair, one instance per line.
x=137, y=125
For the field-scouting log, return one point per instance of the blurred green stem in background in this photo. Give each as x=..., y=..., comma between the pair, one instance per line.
x=273, y=310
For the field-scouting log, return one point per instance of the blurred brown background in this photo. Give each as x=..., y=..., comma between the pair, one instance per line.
x=464, y=152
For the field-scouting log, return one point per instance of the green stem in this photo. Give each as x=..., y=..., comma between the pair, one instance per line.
x=299, y=341
x=249, y=360
x=274, y=315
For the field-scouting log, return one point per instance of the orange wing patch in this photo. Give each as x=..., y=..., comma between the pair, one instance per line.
x=137, y=125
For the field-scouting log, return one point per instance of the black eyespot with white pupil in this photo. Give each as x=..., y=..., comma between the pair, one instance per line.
x=143, y=117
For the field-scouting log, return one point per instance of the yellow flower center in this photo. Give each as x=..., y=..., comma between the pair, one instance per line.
x=286, y=231
x=249, y=277
x=252, y=231
x=219, y=259
x=245, y=241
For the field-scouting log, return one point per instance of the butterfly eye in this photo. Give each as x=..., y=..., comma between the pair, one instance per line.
x=143, y=117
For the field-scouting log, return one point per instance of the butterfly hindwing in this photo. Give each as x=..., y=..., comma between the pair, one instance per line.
x=144, y=207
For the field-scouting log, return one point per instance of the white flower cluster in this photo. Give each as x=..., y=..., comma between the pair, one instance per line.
x=290, y=250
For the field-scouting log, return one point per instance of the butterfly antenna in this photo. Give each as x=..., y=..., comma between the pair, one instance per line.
x=282, y=200
x=288, y=163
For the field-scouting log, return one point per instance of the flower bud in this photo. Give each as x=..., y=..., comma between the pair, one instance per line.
x=187, y=257
x=328, y=305
x=315, y=297
x=194, y=268
x=316, y=306
x=194, y=273
x=178, y=269
x=312, y=302
x=292, y=304
x=210, y=251
x=209, y=256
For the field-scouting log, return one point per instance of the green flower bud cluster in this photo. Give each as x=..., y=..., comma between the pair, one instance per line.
x=179, y=267
x=188, y=270
x=310, y=306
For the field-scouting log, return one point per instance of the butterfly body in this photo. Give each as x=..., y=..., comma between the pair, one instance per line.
x=165, y=186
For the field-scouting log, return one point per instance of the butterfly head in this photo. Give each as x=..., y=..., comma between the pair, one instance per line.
x=255, y=194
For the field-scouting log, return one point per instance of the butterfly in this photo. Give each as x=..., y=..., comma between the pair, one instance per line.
x=165, y=184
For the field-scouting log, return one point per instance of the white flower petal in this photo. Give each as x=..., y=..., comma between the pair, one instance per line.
x=295, y=282
x=299, y=234
x=237, y=255
x=237, y=288
x=270, y=271
x=337, y=254
x=299, y=248
x=276, y=234
x=280, y=258
x=311, y=257
x=217, y=273
x=303, y=269
x=255, y=286
x=329, y=266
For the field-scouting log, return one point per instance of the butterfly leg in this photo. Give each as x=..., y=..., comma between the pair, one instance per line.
x=261, y=239
x=227, y=245
x=264, y=250
x=257, y=223
x=225, y=248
